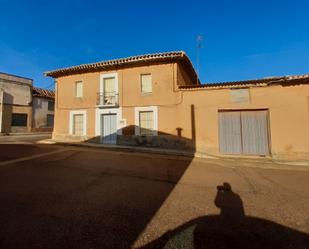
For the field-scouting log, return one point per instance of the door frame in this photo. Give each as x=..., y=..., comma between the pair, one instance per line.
x=99, y=112
x=102, y=137
x=78, y=112
x=243, y=110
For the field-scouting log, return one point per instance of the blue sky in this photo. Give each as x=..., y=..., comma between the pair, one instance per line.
x=242, y=39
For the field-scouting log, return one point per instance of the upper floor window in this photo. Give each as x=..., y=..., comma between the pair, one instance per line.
x=78, y=89
x=146, y=83
x=51, y=105
x=108, y=95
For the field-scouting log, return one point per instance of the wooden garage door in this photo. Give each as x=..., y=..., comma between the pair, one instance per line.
x=243, y=132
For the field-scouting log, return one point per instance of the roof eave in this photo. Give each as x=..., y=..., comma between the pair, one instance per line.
x=121, y=63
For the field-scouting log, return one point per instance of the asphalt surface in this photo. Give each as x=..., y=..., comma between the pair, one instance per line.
x=54, y=196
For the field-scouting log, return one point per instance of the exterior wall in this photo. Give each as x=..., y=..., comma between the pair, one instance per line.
x=288, y=117
x=187, y=119
x=164, y=93
x=40, y=111
x=16, y=91
x=7, y=118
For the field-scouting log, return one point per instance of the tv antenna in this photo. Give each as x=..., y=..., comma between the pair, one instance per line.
x=199, y=45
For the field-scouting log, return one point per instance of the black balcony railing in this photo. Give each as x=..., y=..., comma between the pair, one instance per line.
x=107, y=99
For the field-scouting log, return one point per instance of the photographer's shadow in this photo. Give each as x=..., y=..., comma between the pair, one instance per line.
x=231, y=229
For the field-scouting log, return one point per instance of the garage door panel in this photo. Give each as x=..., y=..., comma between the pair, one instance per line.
x=254, y=132
x=244, y=132
x=230, y=133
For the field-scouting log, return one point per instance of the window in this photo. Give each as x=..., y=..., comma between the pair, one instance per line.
x=78, y=123
x=146, y=121
x=19, y=119
x=51, y=105
x=50, y=120
x=78, y=89
x=146, y=83
x=109, y=91
x=78, y=120
x=108, y=95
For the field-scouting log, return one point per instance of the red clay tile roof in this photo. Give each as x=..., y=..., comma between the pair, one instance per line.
x=44, y=93
x=127, y=62
x=284, y=80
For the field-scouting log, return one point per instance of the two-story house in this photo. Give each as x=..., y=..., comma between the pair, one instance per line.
x=157, y=100
x=121, y=97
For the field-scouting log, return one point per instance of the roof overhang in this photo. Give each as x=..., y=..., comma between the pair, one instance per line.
x=133, y=61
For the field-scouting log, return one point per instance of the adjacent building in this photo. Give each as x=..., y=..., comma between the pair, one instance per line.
x=157, y=100
x=24, y=108
x=43, y=109
x=16, y=103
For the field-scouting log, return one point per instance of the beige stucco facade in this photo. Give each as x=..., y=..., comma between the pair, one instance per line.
x=187, y=118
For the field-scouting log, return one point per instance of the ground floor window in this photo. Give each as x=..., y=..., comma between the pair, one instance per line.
x=146, y=121
x=78, y=123
x=50, y=120
x=19, y=119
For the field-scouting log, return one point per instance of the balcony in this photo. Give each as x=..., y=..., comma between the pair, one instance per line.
x=107, y=99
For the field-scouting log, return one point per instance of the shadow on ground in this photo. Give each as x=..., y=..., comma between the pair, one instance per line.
x=86, y=199
x=231, y=229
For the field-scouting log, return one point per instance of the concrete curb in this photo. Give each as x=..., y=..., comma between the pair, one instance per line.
x=265, y=161
x=130, y=149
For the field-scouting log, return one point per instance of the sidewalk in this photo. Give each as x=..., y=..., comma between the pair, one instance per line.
x=32, y=133
x=264, y=162
x=126, y=148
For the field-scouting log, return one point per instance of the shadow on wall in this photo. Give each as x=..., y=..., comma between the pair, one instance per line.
x=8, y=101
x=231, y=229
x=161, y=140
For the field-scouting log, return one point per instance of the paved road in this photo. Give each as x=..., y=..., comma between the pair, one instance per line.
x=55, y=196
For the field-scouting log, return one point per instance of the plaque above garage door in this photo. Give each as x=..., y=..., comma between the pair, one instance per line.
x=244, y=132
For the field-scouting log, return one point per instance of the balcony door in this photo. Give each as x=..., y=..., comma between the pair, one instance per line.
x=108, y=90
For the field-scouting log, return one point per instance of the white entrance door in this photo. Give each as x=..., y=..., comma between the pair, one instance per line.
x=109, y=128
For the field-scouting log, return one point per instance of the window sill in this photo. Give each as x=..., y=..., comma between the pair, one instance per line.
x=146, y=94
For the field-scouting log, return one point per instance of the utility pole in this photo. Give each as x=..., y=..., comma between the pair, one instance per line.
x=199, y=40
